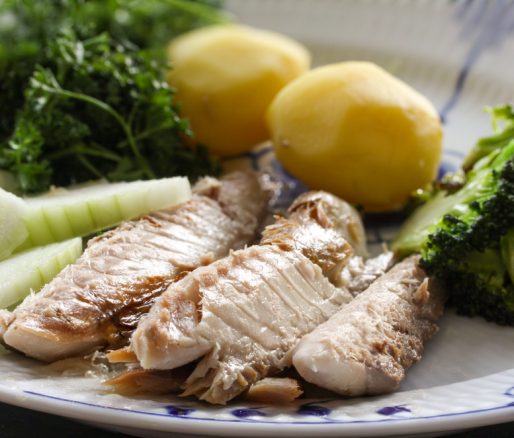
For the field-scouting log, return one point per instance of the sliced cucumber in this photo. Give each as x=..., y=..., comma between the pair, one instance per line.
x=13, y=231
x=31, y=269
x=65, y=213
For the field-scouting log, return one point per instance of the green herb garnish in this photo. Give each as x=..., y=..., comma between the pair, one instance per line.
x=83, y=95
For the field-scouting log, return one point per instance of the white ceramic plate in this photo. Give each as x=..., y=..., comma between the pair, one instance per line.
x=461, y=55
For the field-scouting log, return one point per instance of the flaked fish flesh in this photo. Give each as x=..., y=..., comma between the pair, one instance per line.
x=358, y=274
x=245, y=313
x=274, y=391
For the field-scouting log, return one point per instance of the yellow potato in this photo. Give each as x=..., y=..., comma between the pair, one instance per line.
x=355, y=130
x=226, y=77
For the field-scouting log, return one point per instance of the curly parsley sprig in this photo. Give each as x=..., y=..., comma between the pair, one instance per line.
x=93, y=105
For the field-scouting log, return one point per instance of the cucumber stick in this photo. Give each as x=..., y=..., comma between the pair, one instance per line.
x=65, y=213
x=31, y=269
x=13, y=231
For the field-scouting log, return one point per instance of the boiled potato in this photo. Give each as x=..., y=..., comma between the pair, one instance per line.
x=355, y=130
x=226, y=77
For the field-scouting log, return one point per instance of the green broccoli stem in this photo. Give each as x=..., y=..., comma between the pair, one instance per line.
x=420, y=224
x=503, y=135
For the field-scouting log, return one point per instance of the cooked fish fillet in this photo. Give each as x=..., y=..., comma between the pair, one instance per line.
x=358, y=274
x=99, y=299
x=172, y=334
x=6, y=318
x=318, y=224
x=274, y=390
x=138, y=381
x=330, y=212
x=247, y=311
x=323, y=246
x=355, y=277
x=366, y=346
x=122, y=355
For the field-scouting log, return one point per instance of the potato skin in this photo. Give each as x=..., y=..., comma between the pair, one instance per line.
x=356, y=131
x=226, y=76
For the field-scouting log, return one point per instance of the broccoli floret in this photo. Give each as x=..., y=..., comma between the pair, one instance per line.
x=481, y=212
x=480, y=285
x=469, y=219
x=507, y=252
x=466, y=236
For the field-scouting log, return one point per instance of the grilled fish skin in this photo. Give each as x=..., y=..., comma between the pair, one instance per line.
x=366, y=346
x=99, y=300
